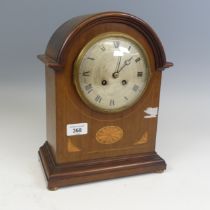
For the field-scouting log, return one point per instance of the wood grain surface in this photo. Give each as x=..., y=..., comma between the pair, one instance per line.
x=64, y=106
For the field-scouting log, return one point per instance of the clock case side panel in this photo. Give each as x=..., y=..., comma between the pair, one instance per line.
x=51, y=108
x=54, y=112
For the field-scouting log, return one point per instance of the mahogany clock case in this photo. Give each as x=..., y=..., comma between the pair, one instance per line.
x=78, y=159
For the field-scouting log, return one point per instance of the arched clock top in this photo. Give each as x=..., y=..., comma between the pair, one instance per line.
x=54, y=56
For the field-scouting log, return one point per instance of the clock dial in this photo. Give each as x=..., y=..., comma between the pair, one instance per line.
x=111, y=72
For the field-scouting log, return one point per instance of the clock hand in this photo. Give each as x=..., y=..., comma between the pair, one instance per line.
x=115, y=74
x=118, y=63
x=126, y=63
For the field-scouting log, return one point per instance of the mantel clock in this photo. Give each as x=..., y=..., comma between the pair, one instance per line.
x=103, y=77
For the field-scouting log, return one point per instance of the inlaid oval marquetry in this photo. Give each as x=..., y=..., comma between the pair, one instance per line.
x=109, y=135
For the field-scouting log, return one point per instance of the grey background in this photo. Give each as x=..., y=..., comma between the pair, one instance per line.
x=183, y=131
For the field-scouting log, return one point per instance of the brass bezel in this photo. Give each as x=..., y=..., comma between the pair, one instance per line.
x=80, y=58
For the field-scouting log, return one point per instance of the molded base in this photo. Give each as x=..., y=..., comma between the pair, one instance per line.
x=60, y=175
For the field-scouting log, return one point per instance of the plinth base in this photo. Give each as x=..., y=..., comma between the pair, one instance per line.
x=60, y=175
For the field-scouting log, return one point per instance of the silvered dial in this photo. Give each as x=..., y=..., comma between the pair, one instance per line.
x=112, y=72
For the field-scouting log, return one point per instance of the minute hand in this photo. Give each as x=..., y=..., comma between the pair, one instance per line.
x=126, y=63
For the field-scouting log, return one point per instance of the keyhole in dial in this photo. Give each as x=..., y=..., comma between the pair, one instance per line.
x=124, y=82
x=104, y=82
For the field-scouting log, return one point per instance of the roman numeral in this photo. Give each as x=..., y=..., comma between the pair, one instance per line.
x=135, y=88
x=139, y=74
x=126, y=98
x=92, y=59
x=89, y=88
x=98, y=99
x=129, y=48
x=86, y=73
x=116, y=44
x=102, y=48
x=111, y=102
x=138, y=59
